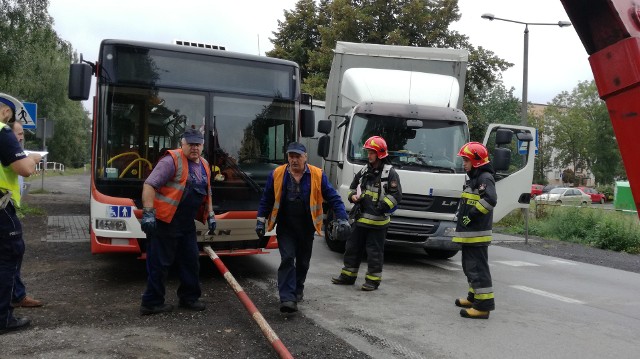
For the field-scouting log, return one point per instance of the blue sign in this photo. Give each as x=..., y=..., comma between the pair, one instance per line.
x=119, y=211
x=522, y=145
x=27, y=115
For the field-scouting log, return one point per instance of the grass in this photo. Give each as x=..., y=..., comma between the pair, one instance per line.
x=25, y=210
x=590, y=226
x=55, y=173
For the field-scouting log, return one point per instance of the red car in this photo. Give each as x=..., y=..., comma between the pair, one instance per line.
x=596, y=197
x=536, y=189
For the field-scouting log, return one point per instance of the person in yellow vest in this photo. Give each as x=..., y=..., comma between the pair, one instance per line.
x=474, y=230
x=20, y=297
x=292, y=198
x=177, y=191
x=13, y=162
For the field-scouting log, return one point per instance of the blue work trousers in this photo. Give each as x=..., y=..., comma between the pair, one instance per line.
x=295, y=257
x=11, y=253
x=164, y=248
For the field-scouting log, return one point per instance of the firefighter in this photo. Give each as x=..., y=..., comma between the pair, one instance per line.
x=473, y=230
x=13, y=162
x=375, y=192
x=292, y=198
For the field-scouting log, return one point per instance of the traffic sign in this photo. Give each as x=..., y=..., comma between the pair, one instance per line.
x=27, y=115
x=522, y=145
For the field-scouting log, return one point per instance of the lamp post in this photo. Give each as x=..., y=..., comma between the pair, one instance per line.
x=525, y=70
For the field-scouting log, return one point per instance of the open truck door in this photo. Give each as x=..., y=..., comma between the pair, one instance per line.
x=512, y=152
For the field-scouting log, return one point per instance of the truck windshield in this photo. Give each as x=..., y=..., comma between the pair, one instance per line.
x=433, y=147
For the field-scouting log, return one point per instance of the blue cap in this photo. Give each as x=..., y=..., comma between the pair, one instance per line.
x=191, y=135
x=297, y=147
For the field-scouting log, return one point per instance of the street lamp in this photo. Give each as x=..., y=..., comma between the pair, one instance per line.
x=525, y=69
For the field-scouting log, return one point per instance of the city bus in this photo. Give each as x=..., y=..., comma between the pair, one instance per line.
x=147, y=94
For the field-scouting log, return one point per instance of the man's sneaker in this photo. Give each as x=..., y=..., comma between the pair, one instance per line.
x=343, y=279
x=27, y=302
x=369, y=286
x=15, y=324
x=288, y=307
x=463, y=303
x=196, y=305
x=474, y=313
x=155, y=309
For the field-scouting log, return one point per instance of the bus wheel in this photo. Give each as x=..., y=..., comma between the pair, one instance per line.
x=441, y=253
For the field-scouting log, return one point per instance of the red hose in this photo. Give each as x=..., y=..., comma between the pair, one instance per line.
x=276, y=343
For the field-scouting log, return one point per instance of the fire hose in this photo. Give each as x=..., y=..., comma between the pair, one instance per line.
x=275, y=342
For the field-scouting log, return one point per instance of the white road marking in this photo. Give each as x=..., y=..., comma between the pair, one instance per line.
x=517, y=263
x=564, y=262
x=547, y=294
x=439, y=265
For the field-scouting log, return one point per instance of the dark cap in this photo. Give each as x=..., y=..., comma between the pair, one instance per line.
x=191, y=135
x=297, y=147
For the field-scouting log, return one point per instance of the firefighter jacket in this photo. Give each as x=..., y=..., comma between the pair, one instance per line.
x=380, y=194
x=315, y=189
x=168, y=197
x=475, y=212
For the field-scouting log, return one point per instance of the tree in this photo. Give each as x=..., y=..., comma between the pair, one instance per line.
x=497, y=105
x=393, y=22
x=34, y=67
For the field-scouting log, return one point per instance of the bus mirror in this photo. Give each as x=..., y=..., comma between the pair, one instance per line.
x=307, y=122
x=79, y=81
x=323, y=146
x=324, y=126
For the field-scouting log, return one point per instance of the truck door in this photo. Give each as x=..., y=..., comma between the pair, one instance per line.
x=512, y=151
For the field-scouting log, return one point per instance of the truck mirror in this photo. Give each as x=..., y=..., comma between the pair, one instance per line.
x=306, y=99
x=501, y=159
x=307, y=122
x=410, y=134
x=79, y=81
x=524, y=136
x=323, y=146
x=324, y=126
x=503, y=136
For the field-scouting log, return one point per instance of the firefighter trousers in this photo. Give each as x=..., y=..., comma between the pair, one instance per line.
x=370, y=241
x=475, y=264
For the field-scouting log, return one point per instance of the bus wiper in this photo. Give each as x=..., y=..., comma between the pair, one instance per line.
x=255, y=186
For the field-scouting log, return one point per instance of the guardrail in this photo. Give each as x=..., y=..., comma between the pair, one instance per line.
x=51, y=166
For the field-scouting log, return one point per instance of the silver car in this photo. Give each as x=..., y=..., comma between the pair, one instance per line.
x=565, y=195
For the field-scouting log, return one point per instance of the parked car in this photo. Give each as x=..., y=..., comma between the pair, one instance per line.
x=596, y=197
x=565, y=195
x=549, y=187
x=536, y=189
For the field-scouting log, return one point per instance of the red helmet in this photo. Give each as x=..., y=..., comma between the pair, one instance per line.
x=475, y=152
x=378, y=144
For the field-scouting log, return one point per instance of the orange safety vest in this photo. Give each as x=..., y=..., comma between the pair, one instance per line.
x=315, y=200
x=168, y=197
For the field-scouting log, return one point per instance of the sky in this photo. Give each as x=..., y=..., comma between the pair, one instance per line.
x=557, y=59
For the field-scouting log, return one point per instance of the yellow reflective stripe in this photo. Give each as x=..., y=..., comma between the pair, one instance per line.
x=484, y=290
x=483, y=296
x=392, y=199
x=373, y=195
x=349, y=273
x=471, y=290
x=472, y=239
x=373, y=277
x=374, y=222
x=389, y=202
x=481, y=208
x=470, y=196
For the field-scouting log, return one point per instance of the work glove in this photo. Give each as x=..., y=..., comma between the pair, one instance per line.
x=148, y=222
x=212, y=222
x=260, y=229
x=466, y=220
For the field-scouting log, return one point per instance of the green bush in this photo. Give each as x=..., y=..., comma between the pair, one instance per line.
x=595, y=227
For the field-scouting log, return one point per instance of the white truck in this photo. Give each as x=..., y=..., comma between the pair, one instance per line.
x=412, y=97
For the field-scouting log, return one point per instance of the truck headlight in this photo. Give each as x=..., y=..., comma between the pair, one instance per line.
x=449, y=232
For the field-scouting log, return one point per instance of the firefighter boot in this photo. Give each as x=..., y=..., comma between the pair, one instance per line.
x=370, y=285
x=474, y=313
x=463, y=303
x=343, y=279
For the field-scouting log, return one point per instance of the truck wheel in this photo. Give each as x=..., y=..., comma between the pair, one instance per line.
x=441, y=253
x=334, y=246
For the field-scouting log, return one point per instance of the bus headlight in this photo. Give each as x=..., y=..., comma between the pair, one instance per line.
x=111, y=224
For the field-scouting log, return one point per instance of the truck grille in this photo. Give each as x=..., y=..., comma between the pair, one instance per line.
x=422, y=203
x=411, y=229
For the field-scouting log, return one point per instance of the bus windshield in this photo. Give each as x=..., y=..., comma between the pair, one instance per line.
x=432, y=145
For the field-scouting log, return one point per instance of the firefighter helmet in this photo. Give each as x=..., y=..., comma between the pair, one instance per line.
x=475, y=152
x=378, y=144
